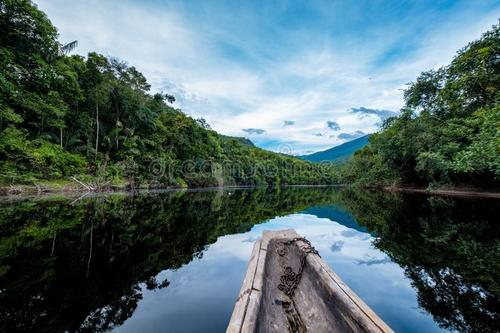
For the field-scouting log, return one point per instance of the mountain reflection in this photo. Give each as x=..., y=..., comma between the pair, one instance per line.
x=81, y=266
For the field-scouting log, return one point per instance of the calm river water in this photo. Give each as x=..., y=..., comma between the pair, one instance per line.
x=174, y=261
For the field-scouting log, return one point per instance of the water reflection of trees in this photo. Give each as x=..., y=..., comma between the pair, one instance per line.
x=449, y=248
x=82, y=267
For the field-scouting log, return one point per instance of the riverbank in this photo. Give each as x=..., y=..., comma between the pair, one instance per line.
x=453, y=191
x=69, y=187
x=56, y=186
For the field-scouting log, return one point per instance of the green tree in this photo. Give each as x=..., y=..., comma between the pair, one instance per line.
x=448, y=131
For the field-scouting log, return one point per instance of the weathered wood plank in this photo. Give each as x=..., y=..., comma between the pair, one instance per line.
x=243, y=299
x=322, y=301
x=334, y=281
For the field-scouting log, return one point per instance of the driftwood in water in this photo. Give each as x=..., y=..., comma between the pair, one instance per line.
x=289, y=288
x=87, y=186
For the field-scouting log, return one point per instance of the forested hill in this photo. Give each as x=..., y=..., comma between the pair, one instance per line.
x=63, y=115
x=338, y=153
x=449, y=129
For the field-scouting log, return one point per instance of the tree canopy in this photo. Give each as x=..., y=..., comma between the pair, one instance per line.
x=63, y=115
x=449, y=129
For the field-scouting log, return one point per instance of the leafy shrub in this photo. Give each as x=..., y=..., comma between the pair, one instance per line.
x=35, y=159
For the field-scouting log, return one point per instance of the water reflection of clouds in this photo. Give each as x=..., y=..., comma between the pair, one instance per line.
x=373, y=261
x=351, y=254
x=355, y=233
x=251, y=239
x=207, y=287
x=326, y=235
x=337, y=246
x=349, y=233
x=335, y=242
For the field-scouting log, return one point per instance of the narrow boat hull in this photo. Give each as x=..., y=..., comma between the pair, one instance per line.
x=288, y=287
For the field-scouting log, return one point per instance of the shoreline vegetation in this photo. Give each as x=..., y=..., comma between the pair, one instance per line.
x=447, y=191
x=69, y=188
x=95, y=119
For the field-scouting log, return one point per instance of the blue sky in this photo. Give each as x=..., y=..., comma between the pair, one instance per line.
x=294, y=76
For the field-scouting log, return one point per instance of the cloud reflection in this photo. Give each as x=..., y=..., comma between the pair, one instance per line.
x=337, y=246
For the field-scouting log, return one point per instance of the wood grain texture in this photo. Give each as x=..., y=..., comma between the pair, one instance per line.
x=322, y=301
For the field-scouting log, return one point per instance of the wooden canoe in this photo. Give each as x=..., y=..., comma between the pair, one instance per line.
x=289, y=288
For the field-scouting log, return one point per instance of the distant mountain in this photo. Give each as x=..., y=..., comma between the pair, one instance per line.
x=338, y=153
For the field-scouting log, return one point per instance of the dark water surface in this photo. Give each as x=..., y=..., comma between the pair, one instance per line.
x=174, y=261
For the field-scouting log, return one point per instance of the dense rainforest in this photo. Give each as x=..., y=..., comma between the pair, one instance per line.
x=94, y=117
x=448, y=132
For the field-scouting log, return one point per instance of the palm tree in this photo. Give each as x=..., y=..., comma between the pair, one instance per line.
x=67, y=48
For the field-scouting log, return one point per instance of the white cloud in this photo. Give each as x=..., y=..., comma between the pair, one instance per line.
x=317, y=79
